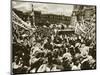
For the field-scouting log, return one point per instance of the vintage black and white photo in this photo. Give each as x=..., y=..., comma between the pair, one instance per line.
x=52, y=37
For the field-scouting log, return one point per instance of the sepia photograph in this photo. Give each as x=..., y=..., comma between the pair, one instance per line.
x=52, y=37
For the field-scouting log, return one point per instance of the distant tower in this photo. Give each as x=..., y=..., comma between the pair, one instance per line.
x=32, y=17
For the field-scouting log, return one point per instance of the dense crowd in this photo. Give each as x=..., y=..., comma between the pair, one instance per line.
x=56, y=52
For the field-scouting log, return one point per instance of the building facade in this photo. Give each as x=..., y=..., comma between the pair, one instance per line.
x=55, y=19
x=41, y=19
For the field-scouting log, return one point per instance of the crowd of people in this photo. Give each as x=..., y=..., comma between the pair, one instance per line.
x=48, y=51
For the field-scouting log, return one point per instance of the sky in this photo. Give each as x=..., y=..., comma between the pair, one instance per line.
x=45, y=8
